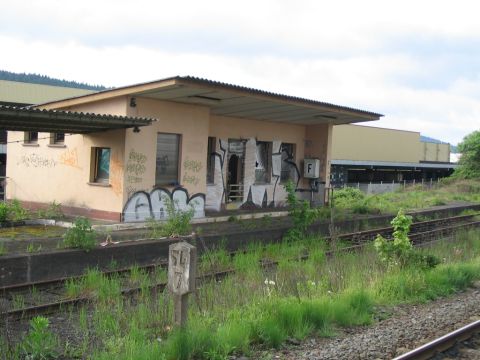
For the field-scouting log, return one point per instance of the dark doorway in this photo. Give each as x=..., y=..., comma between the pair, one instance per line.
x=236, y=156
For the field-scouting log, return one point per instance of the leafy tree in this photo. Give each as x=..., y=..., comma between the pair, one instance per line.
x=469, y=163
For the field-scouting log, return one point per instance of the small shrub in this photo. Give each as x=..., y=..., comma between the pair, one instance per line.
x=4, y=211
x=396, y=252
x=80, y=236
x=53, y=211
x=16, y=211
x=177, y=223
x=301, y=213
x=40, y=342
x=400, y=252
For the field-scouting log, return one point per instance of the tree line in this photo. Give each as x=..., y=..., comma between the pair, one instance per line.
x=47, y=80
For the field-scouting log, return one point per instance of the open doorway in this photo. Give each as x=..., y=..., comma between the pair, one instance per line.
x=235, y=168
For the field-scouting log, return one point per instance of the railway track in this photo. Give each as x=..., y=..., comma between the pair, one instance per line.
x=424, y=233
x=443, y=343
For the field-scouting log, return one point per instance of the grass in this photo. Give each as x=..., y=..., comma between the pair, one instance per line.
x=415, y=197
x=258, y=307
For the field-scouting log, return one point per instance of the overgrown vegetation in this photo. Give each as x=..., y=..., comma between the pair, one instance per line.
x=177, y=221
x=80, y=235
x=299, y=298
x=40, y=343
x=399, y=251
x=469, y=163
x=52, y=211
x=448, y=190
x=301, y=213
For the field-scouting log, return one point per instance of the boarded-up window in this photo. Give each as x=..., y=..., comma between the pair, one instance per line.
x=263, y=163
x=211, y=160
x=168, y=153
x=288, y=157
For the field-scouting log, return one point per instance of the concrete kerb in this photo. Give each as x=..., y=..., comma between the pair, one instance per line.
x=205, y=220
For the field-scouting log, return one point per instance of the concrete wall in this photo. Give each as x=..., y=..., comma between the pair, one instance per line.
x=353, y=142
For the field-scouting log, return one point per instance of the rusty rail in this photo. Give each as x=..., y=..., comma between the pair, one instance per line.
x=442, y=343
x=31, y=311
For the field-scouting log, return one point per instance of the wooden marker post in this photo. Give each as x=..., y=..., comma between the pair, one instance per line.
x=182, y=267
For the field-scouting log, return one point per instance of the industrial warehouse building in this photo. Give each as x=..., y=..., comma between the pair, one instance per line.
x=211, y=145
x=377, y=159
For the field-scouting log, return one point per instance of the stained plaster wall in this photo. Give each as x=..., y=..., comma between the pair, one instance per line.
x=43, y=173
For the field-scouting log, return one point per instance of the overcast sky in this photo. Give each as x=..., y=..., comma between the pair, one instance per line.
x=416, y=62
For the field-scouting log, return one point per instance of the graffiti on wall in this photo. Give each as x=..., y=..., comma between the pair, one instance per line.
x=283, y=167
x=216, y=192
x=143, y=205
x=191, y=168
x=135, y=169
x=70, y=158
x=36, y=161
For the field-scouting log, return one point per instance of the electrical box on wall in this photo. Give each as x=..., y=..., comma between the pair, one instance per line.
x=311, y=168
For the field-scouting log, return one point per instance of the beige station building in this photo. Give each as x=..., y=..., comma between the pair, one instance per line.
x=119, y=154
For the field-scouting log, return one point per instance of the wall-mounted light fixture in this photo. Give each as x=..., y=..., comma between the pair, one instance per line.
x=136, y=129
x=133, y=102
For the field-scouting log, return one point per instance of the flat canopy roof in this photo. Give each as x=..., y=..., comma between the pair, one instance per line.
x=232, y=100
x=28, y=119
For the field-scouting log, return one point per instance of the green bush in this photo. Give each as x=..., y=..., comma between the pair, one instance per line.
x=80, y=236
x=300, y=212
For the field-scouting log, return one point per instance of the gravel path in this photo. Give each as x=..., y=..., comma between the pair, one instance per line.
x=408, y=328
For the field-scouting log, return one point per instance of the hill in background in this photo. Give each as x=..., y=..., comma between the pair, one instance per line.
x=47, y=80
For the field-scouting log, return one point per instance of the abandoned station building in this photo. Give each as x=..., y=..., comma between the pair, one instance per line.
x=117, y=154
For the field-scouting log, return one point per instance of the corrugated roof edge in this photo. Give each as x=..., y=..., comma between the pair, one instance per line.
x=277, y=95
x=29, y=109
x=199, y=80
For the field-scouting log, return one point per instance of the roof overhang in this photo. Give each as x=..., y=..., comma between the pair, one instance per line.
x=231, y=100
x=28, y=119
